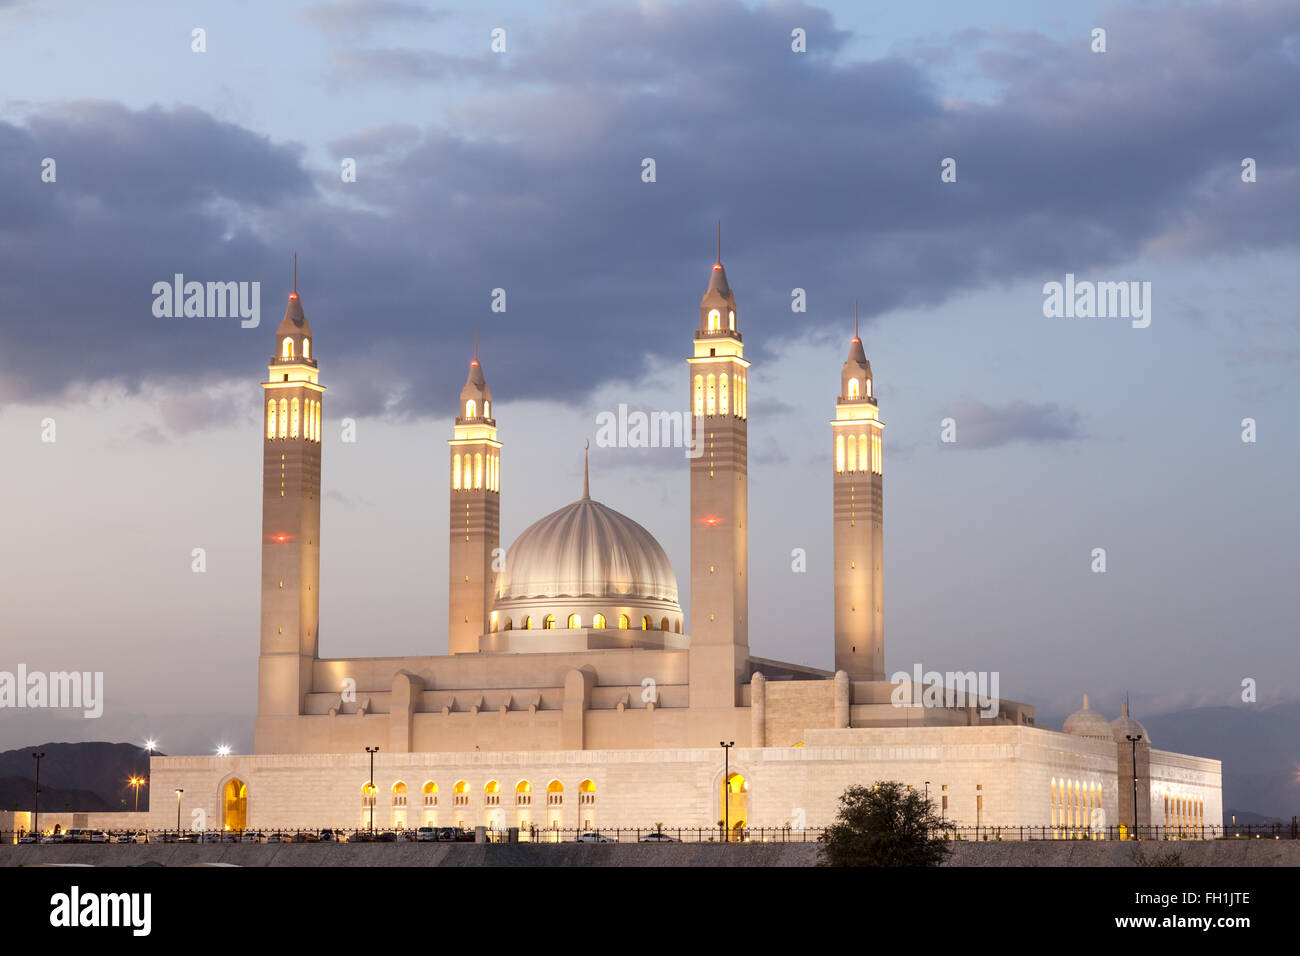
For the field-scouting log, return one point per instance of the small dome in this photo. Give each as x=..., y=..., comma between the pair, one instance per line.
x=1124, y=726
x=587, y=550
x=1087, y=722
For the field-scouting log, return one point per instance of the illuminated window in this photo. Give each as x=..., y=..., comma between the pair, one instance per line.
x=284, y=418
x=492, y=624
x=714, y=320
x=306, y=348
x=478, y=471
x=853, y=388
x=586, y=793
x=598, y=621
x=430, y=792
x=469, y=408
x=317, y=417
x=548, y=622
x=270, y=419
x=839, y=452
x=862, y=452
x=699, y=395
x=853, y=455
x=722, y=394
x=575, y=620
x=645, y=623
x=527, y=623
x=399, y=794
x=523, y=794
x=455, y=472
x=487, y=408
x=623, y=622
x=554, y=794
x=293, y=418
x=711, y=402
x=868, y=388
x=466, y=480
x=286, y=350
x=731, y=315
x=460, y=794
x=492, y=794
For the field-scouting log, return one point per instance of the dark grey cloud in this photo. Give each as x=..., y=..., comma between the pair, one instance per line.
x=825, y=171
x=979, y=425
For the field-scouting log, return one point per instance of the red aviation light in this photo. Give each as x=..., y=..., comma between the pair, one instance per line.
x=712, y=521
x=717, y=266
x=293, y=295
x=280, y=538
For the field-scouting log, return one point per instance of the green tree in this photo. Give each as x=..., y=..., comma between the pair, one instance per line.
x=887, y=824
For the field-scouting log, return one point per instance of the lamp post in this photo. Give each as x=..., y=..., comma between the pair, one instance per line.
x=1134, y=741
x=36, y=809
x=979, y=807
x=136, y=782
x=179, y=791
x=726, y=788
x=370, y=795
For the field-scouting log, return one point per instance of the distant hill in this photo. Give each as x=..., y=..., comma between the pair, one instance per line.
x=18, y=793
x=95, y=770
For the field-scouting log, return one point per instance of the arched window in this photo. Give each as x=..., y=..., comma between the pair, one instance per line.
x=548, y=622
x=455, y=472
x=527, y=623
x=853, y=388
x=487, y=408
x=460, y=794
x=293, y=418
x=317, y=417
x=575, y=620
x=839, y=452
x=598, y=621
x=699, y=395
x=467, y=479
x=478, y=470
x=645, y=623
x=623, y=622
x=868, y=388
x=492, y=622
x=731, y=317
x=744, y=397
x=714, y=320
x=430, y=792
x=492, y=794
x=677, y=625
x=286, y=349
x=308, y=419
x=853, y=455
x=469, y=408
x=283, y=430
x=711, y=400
x=270, y=419
x=722, y=394
x=399, y=794
x=663, y=625
x=554, y=793
x=306, y=348
x=368, y=792
x=586, y=793
x=506, y=625
x=523, y=794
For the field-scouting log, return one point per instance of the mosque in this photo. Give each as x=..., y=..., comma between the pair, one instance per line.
x=574, y=693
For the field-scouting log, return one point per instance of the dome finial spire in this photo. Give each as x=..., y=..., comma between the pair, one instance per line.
x=586, y=458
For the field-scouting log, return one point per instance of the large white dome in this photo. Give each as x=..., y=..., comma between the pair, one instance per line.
x=587, y=550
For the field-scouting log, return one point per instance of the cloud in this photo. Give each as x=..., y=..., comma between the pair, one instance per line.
x=825, y=170
x=358, y=18
x=987, y=426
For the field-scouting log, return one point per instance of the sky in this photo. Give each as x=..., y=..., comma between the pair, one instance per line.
x=522, y=170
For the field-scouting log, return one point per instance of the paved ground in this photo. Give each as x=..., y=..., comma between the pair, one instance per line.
x=1048, y=853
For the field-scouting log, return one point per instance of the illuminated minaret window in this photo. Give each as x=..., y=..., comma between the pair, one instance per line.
x=291, y=473
x=717, y=374
x=475, y=526
x=857, y=487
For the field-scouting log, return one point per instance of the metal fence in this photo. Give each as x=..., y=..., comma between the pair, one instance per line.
x=980, y=834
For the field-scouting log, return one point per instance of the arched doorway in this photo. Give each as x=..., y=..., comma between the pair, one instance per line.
x=587, y=804
x=234, y=805
x=430, y=809
x=735, y=799
x=554, y=810
x=399, y=805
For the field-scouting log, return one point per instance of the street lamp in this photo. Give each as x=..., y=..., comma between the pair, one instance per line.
x=1134, y=741
x=36, y=814
x=179, y=791
x=979, y=806
x=370, y=788
x=726, y=788
x=136, y=782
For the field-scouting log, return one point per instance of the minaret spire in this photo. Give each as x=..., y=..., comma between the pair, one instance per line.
x=476, y=345
x=719, y=242
x=855, y=318
x=586, y=459
x=295, y=273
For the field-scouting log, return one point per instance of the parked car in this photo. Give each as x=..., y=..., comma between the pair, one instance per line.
x=277, y=837
x=388, y=836
x=659, y=837
x=327, y=836
x=29, y=838
x=593, y=838
x=362, y=836
x=128, y=836
x=211, y=836
x=426, y=835
x=305, y=836
x=250, y=836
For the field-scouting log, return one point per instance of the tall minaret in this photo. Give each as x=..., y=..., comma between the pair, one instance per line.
x=719, y=650
x=291, y=460
x=475, y=530
x=859, y=578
